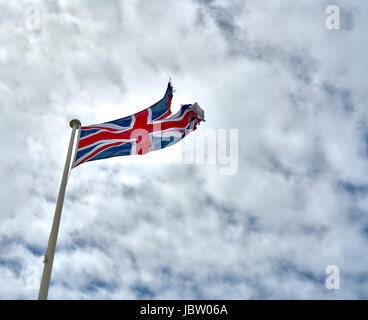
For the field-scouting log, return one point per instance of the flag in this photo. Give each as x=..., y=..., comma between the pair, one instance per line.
x=151, y=129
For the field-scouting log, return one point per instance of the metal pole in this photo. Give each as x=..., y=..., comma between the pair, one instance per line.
x=49, y=256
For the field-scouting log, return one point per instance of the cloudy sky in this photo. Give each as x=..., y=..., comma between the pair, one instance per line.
x=152, y=227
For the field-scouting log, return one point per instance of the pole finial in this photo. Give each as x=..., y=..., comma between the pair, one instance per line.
x=75, y=122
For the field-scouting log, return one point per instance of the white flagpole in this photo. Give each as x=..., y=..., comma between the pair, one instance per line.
x=49, y=256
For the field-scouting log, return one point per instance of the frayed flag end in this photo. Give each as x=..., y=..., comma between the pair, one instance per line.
x=198, y=110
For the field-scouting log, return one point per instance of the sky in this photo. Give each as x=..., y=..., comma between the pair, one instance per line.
x=284, y=95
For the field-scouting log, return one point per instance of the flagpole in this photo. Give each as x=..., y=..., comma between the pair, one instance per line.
x=49, y=255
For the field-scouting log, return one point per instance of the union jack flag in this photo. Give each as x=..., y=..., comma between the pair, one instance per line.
x=148, y=130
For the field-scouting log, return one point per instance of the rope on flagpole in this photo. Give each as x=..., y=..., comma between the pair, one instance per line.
x=50, y=252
